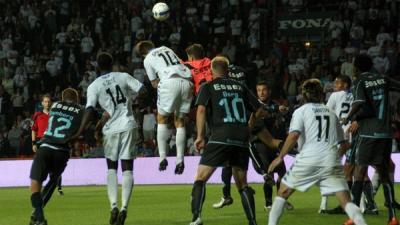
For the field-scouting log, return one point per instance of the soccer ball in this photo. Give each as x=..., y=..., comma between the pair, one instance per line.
x=160, y=11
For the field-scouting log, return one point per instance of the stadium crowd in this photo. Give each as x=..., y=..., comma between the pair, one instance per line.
x=47, y=46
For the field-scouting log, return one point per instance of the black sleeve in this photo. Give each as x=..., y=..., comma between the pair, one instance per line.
x=204, y=95
x=394, y=85
x=251, y=101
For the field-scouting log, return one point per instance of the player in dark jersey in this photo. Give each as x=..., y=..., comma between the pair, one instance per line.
x=371, y=111
x=223, y=103
x=237, y=73
x=54, y=151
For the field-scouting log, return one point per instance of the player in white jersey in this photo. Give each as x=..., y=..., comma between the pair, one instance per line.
x=114, y=91
x=318, y=161
x=174, y=96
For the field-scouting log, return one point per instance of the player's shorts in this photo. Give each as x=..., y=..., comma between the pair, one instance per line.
x=174, y=95
x=329, y=179
x=373, y=151
x=48, y=161
x=262, y=157
x=121, y=146
x=221, y=155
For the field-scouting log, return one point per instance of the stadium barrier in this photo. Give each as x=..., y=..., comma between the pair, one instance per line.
x=15, y=173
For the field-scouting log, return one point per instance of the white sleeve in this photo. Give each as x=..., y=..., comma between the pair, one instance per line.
x=297, y=123
x=331, y=102
x=92, y=97
x=151, y=73
x=133, y=83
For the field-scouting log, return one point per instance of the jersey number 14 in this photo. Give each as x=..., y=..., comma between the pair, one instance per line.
x=120, y=98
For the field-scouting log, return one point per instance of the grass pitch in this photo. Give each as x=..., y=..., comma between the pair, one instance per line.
x=165, y=205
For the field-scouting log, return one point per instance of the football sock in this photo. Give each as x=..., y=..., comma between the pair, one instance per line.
x=354, y=213
x=59, y=183
x=198, y=196
x=247, y=197
x=180, y=144
x=162, y=138
x=276, y=210
x=375, y=182
x=226, y=176
x=127, y=186
x=388, y=192
x=267, y=194
x=369, y=194
x=356, y=191
x=112, y=187
x=37, y=204
x=350, y=184
x=48, y=190
x=324, y=203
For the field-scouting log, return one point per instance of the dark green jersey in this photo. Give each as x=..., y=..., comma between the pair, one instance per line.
x=372, y=91
x=65, y=119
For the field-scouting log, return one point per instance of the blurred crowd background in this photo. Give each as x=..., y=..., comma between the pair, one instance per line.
x=48, y=45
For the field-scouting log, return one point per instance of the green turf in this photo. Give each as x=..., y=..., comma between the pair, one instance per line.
x=163, y=205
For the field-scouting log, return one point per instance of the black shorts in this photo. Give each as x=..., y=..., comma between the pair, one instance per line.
x=262, y=156
x=216, y=155
x=373, y=151
x=48, y=161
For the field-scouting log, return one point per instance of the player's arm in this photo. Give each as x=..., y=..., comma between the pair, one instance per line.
x=99, y=126
x=289, y=144
x=202, y=101
x=359, y=101
x=393, y=84
x=34, y=129
x=151, y=73
x=136, y=86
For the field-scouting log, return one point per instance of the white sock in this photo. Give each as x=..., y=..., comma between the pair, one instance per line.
x=180, y=144
x=162, y=138
x=375, y=182
x=127, y=186
x=324, y=203
x=112, y=187
x=276, y=210
x=362, y=202
x=354, y=213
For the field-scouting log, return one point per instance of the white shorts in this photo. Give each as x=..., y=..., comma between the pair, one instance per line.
x=174, y=95
x=329, y=179
x=121, y=146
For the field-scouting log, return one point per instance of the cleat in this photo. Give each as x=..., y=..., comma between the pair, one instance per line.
x=349, y=222
x=289, y=206
x=179, y=168
x=122, y=217
x=252, y=222
x=322, y=211
x=337, y=210
x=393, y=221
x=224, y=202
x=60, y=192
x=114, y=216
x=267, y=208
x=371, y=211
x=163, y=165
x=197, y=222
x=32, y=220
x=269, y=179
x=41, y=223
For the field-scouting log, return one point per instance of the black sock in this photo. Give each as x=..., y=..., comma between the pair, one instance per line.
x=247, y=196
x=198, y=196
x=356, y=190
x=392, y=189
x=350, y=184
x=226, y=176
x=369, y=194
x=387, y=191
x=48, y=190
x=59, y=183
x=37, y=204
x=268, y=194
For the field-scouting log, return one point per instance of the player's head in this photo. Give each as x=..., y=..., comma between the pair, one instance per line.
x=219, y=66
x=362, y=63
x=105, y=61
x=263, y=90
x=312, y=91
x=70, y=95
x=342, y=82
x=195, y=52
x=46, y=101
x=143, y=47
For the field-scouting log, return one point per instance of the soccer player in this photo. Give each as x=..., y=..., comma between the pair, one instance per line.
x=114, y=92
x=228, y=142
x=318, y=132
x=174, y=96
x=52, y=156
x=371, y=111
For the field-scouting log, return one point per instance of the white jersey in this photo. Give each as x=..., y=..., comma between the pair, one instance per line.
x=340, y=102
x=320, y=133
x=163, y=63
x=114, y=93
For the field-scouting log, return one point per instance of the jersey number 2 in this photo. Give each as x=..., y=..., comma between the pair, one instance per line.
x=320, y=121
x=120, y=96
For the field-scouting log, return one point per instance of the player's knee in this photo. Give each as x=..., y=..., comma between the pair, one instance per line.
x=284, y=192
x=112, y=165
x=127, y=165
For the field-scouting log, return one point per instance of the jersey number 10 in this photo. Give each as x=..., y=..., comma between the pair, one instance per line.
x=233, y=107
x=120, y=96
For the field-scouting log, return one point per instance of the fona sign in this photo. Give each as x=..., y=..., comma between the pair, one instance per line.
x=303, y=23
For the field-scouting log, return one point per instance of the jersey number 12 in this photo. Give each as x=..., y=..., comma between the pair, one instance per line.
x=120, y=98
